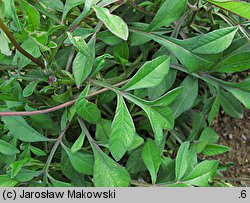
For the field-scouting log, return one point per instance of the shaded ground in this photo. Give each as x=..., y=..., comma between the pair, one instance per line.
x=236, y=134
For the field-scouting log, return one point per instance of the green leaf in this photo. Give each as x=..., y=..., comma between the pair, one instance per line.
x=231, y=105
x=8, y=149
x=32, y=48
x=114, y=23
x=81, y=162
x=240, y=8
x=37, y=151
x=214, y=109
x=122, y=131
x=78, y=143
x=152, y=73
x=88, y=111
x=160, y=117
x=32, y=16
x=82, y=67
x=135, y=163
x=108, y=173
x=151, y=157
x=24, y=132
x=2, y=10
x=167, y=98
x=30, y=88
x=6, y=181
x=242, y=95
x=4, y=48
x=190, y=60
x=80, y=44
x=69, y=5
x=181, y=161
x=137, y=141
x=208, y=136
x=233, y=63
x=169, y=12
x=186, y=100
x=214, y=149
x=103, y=129
x=57, y=183
x=202, y=173
x=55, y=4
x=215, y=42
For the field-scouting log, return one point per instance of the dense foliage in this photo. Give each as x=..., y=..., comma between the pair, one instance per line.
x=119, y=93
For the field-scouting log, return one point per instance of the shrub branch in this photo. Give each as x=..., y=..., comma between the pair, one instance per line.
x=18, y=47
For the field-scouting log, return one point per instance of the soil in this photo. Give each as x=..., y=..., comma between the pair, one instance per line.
x=235, y=133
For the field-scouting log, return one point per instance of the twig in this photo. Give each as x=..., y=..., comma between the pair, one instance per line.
x=137, y=7
x=61, y=106
x=18, y=47
x=53, y=151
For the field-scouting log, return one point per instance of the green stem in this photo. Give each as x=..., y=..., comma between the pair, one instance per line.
x=52, y=153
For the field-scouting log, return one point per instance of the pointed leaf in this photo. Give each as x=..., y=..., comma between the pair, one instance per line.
x=181, y=161
x=24, y=132
x=152, y=73
x=169, y=12
x=215, y=42
x=151, y=157
x=114, y=23
x=123, y=130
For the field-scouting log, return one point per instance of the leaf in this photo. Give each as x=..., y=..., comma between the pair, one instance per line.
x=215, y=42
x=29, y=89
x=152, y=73
x=208, y=136
x=190, y=60
x=78, y=143
x=160, y=118
x=151, y=157
x=4, y=48
x=233, y=63
x=103, y=129
x=114, y=23
x=6, y=181
x=240, y=8
x=122, y=131
x=186, y=100
x=181, y=161
x=231, y=105
x=202, y=173
x=55, y=4
x=69, y=5
x=82, y=67
x=88, y=111
x=135, y=163
x=57, y=183
x=81, y=162
x=24, y=132
x=214, y=109
x=2, y=10
x=8, y=149
x=214, y=149
x=169, y=12
x=80, y=44
x=167, y=98
x=242, y=95
x=108, y=173
x=137, y=141
x=32, y=48
x=32, y=16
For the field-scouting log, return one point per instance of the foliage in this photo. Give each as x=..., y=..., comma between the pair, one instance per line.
x=119, y=93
